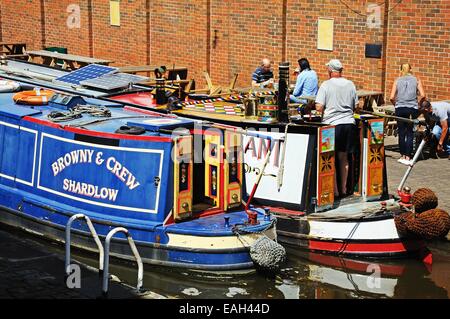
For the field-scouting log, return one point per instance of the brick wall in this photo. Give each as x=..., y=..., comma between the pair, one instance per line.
x=21, y=22
x=178, y=31
x=419, y=33
x=1, y=32
x=126, y=44
x=246, y=33
x=229, y=36
x=350, y=36
x=60, y=30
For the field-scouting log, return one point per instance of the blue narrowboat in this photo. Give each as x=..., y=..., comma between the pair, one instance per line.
x=62, y=154
x=292, y=163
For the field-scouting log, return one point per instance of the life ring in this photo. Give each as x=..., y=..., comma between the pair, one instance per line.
x=34, y=97
x=7, y=86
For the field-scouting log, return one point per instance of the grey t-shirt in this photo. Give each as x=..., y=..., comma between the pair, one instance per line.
x=339, y=97
x=441, y=111
x=407, y=92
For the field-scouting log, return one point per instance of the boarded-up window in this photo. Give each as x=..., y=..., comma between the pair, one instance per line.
x=325, y=30
x=114, y=12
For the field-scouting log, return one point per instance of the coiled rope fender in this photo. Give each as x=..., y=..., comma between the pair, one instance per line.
x=7, y=86
x=37, y=96
x=431, y=224
x=424, y=199
x=267, y=254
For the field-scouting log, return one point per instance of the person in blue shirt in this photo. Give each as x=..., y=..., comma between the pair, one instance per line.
x=307, y=83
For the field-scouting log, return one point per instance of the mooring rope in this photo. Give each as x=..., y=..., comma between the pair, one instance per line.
x=77, y=112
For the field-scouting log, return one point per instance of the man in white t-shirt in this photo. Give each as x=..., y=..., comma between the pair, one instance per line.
x=440, y=113
x=337, y=100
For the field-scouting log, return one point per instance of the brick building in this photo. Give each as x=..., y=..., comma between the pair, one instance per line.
x=230, y=36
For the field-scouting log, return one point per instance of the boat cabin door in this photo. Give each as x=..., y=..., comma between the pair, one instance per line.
x=325, y=168
x=372, y=173
x=233, y=162
x=223, y=168
x=213, y=167
x=215, y=182
x=367, y=176
x=183, y=166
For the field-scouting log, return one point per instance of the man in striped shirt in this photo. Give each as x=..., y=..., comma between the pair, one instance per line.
x=263, y=75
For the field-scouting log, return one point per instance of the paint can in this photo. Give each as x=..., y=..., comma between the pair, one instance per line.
x=251, y=108
x=268, y=109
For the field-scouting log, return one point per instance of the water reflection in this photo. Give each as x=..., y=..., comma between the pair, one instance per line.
x=337, y=277
x=305, y=275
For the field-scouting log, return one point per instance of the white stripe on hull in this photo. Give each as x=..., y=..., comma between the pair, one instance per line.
x=217, y=242
x=368, y=230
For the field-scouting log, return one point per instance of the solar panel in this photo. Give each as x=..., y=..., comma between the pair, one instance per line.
x=114, y=81
x=90, y=71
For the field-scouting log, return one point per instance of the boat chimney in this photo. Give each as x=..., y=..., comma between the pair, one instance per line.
x=161, y=97
x=283, y=91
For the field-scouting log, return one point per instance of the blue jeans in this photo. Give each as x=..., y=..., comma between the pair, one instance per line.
x=405, y=130
x=437, y=132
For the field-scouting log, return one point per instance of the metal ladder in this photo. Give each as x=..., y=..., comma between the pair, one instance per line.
x=103, y=252
x=106, y=260
x=94, y=235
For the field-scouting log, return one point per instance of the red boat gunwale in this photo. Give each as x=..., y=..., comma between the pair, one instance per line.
x=375, y=248
x=75, y=130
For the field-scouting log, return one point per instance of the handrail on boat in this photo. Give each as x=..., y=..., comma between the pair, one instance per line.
x=106, y=260
x=94, y=235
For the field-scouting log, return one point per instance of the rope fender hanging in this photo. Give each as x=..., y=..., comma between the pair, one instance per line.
x=267, y=254
x=425, y=220
x=431, y=224
x=424, y=199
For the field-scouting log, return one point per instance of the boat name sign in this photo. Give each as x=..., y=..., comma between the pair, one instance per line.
x=87, y=156
x=118, y=177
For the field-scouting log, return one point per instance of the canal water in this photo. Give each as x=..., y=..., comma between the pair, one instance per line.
x=305, y=275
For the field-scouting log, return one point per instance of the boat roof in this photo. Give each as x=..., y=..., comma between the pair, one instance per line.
x=42, y=75
x=136, y=95
x=154, y=124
